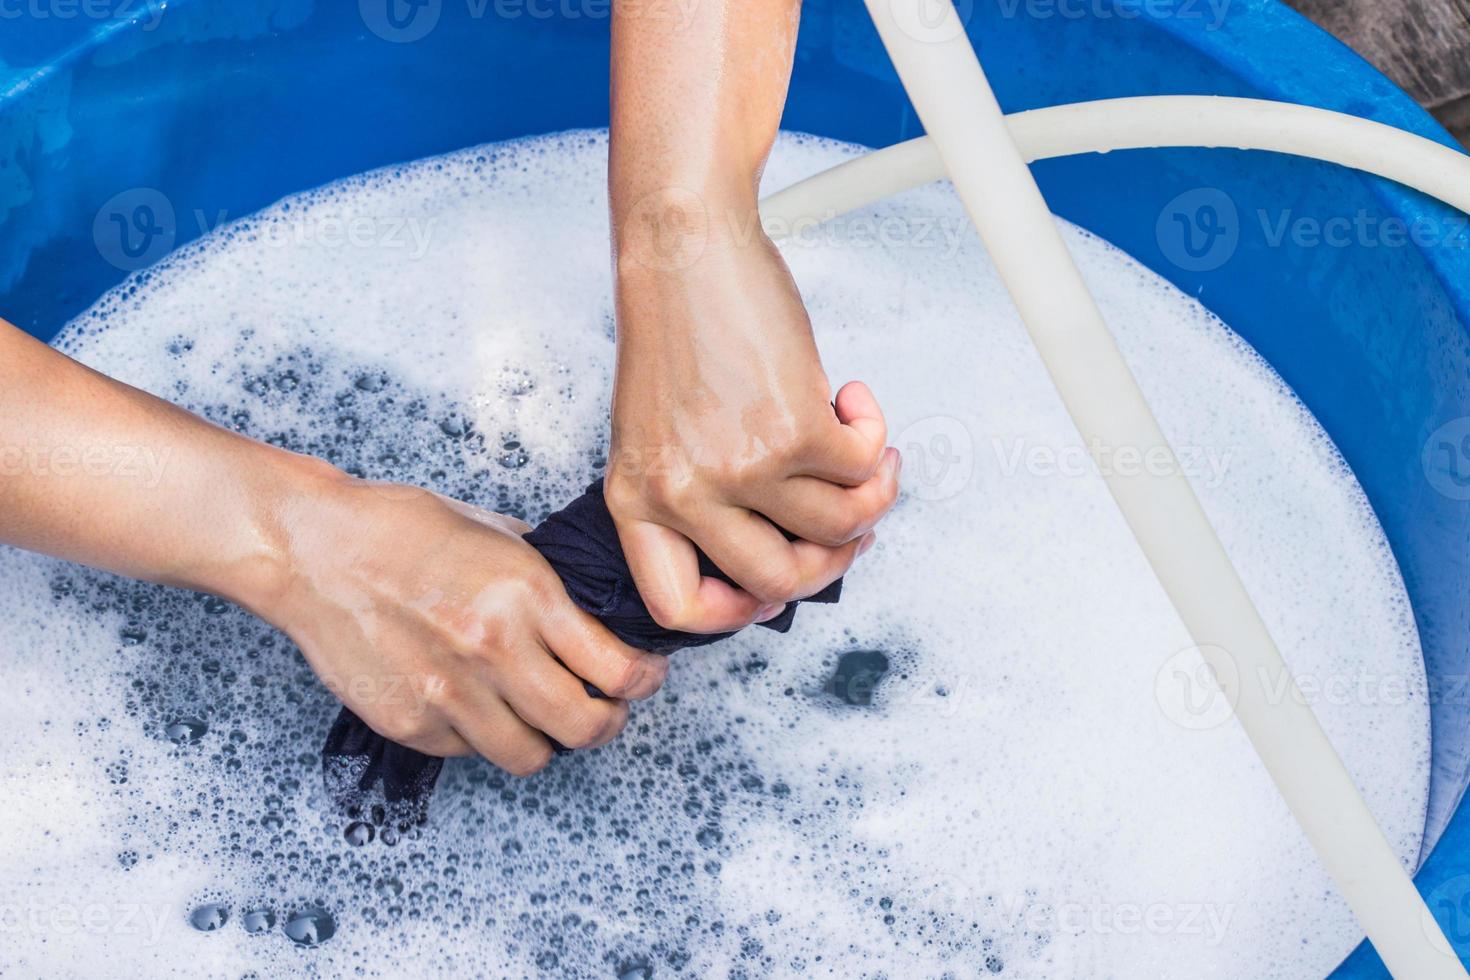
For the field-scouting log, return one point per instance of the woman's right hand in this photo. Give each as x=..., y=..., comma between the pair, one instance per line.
x=442, y=629
x=432, y=620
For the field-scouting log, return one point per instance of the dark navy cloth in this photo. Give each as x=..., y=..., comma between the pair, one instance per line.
x=362, y=768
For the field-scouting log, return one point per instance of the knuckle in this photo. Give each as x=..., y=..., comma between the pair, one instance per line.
x=623, y=679
x=787, y=442
x=635, y=678
x=541, y=592
x=731, y=471
x=669, y=493
x=667, y=611
x=406, y=729
x=494, y=641
x=846, y=525
x=888, y=495
x=779, y=582
x=529, y=762
x=834, y=534
x=589, y=725
x=621, y=495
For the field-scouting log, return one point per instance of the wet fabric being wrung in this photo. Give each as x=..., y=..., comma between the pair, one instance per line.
x=362, y=768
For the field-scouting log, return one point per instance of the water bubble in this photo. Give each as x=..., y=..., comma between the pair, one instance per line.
x=185, y=731
x=209, y=917
x=359, y=834
x=258, y=921
x=310, y=926
x=857, y=675
x=513, y=455
x=371, y=382
x=516, y=382
x=638, y=968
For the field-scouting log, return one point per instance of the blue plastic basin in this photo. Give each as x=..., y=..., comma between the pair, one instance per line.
x=127, y=129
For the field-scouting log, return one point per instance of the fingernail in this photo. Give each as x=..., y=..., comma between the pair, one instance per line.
x=869, y=539
x=769, y=612
x=895, y=461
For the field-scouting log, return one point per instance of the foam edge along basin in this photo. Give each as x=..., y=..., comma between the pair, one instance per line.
x=130, y=128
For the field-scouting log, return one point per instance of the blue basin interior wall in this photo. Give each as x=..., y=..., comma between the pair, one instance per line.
x=211, y=109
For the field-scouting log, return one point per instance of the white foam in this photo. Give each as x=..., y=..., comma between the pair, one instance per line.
x=1016, y=799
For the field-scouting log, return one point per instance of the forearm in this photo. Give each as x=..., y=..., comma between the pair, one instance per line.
x=94, y=471
x=696, y=103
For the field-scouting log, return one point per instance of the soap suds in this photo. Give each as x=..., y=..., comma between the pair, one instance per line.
x=979, y=764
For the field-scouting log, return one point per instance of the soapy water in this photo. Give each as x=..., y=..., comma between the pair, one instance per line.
x=997, y=755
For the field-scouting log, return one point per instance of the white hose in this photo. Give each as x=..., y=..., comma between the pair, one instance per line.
x=1142, y=123
x=954, y=101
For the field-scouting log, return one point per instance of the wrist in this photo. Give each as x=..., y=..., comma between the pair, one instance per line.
x=255, y=565
x=678, y=227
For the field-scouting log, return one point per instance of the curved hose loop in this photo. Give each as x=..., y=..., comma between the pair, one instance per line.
x=1146, y=122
